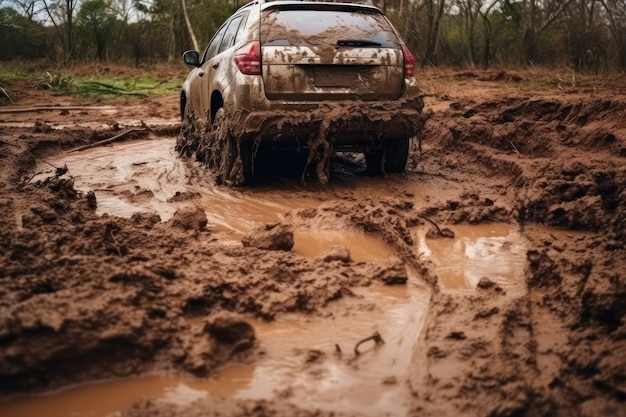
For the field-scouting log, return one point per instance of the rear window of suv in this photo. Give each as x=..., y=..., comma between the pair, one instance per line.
x=300, y=26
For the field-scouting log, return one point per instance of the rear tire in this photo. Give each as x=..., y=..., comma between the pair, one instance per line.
x=374, y=161
x=391, y=158
x=396, y=154
x=188, y=139
x=237, y=158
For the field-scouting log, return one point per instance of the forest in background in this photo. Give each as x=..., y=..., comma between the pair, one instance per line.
x=584, y=35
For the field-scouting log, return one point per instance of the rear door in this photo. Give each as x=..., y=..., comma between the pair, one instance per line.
x=329, y=52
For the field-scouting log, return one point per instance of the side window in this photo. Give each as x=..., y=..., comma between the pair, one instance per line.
x=241, y=31
x=211, y=50
x=229, y=36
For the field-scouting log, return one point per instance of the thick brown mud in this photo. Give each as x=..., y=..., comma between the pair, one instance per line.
x=126, y=265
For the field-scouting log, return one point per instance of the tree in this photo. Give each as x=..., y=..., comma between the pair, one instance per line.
x=485, y=12
x=61, y=14
x=96, y=19
x=434, y=13
x=20, y=36
x=616, y=16
x=192, y=34
x=533, y=18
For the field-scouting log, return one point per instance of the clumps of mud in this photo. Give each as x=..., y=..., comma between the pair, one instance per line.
x=222, y=336
x=272, y=236
x=557, y=347
x=226, y=408
x=86, y=297
x=563, y=158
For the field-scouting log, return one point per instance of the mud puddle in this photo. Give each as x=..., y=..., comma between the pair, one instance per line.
x=299, y=360
x=148, y=176
x=298, y=356
x=363, y=247
x=495, y=251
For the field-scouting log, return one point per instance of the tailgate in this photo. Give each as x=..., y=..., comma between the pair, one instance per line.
x=333, y=53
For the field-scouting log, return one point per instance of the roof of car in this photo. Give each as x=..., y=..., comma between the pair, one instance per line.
x=363, y=2
x=272, y=3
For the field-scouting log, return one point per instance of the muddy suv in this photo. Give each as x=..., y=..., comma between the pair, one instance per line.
x=312, y=77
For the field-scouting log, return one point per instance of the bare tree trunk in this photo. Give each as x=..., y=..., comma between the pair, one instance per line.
x=435, y=10
x=487, y=33
x=192, y=35
x=69, y=28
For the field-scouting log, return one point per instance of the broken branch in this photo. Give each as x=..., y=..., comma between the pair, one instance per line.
x=52, y=108
x=106, y=141
x=376, y=337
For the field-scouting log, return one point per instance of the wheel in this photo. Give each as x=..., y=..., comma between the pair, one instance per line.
x=391, y=158
x=396, y=154
x=246, y=151
x=188, y=139
x=374, y=161
x=236, y=159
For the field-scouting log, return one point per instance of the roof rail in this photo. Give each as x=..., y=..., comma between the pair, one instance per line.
x=364, y=2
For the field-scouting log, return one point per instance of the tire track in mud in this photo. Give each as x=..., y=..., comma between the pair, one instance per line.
x=533, y=354
x=554, y=347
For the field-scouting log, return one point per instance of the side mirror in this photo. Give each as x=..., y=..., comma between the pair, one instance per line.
x=191, y=58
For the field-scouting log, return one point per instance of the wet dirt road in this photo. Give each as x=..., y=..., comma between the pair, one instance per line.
x=144, y=290
x=146, y=176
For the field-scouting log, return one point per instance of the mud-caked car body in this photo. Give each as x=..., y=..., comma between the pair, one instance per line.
x=316, y=77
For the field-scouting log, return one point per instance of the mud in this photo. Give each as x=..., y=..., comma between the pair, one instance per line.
x=316, y=133
x=88, y=295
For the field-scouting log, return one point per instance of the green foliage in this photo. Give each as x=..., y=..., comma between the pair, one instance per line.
x=96, y=21
x=103, y=86
x=19, y=36
x=207, y=17
x=586, y=35
x=454, y=41
x=100, y=84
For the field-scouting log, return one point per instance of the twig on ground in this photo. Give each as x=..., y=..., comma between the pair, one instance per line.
x=29, y=179
x=376, y=337
x=4, y=93
x=9, y=143
x=433, y=223
x=107, y=141
x=52, y=108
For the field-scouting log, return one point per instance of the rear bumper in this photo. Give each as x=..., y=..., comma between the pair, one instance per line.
x=349, y=125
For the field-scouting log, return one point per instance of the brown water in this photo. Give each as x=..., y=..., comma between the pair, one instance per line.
x=363, y=247
x=300, y=352
x=495, y=251
x=144, y=176
x=332, y=381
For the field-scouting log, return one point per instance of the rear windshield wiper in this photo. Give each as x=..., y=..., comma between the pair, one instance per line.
x=357, y=42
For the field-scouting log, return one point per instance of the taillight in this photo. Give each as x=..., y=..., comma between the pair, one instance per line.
x=248, y=58
x=409, y=61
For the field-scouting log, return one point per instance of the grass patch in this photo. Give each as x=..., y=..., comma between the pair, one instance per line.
x=103, y=86
x=95, y=81
x=99, y=86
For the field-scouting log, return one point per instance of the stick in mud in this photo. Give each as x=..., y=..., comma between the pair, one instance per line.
x=52, y=108
x=376, y=337
x=107, y=141
x=442, y=233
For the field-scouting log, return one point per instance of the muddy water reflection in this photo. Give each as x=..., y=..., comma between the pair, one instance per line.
x=363, y=247
x=104, y=398
x=300, y=363
x=495, y=251
x=147, y=176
